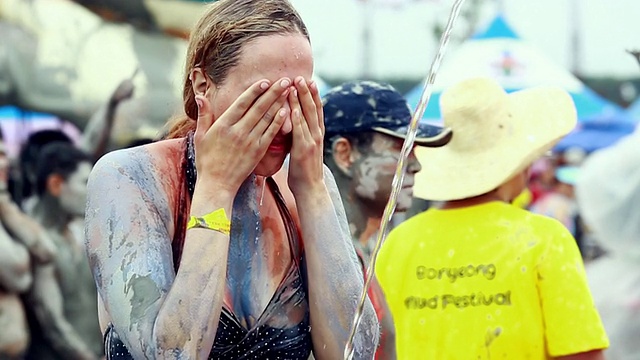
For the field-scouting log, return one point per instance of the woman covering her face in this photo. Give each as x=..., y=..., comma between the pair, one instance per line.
x=197, y=251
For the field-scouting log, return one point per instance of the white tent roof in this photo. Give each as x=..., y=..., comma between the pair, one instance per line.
x=499, y=53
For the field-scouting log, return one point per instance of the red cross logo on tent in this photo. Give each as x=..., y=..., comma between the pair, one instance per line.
x=507, y=64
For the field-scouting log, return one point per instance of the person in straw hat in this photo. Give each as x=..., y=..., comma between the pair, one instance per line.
x=478, y=277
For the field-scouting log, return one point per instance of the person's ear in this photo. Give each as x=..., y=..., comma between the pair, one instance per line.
x=343, y=154
x=199, y=81
x=54, y=184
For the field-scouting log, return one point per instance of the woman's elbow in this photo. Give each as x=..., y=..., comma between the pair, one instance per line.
x=170, y=344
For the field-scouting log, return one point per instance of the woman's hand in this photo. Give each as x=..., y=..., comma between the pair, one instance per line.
x=307, y=117
x=229, y=148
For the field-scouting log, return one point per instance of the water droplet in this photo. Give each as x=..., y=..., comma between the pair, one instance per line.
x=262, y=194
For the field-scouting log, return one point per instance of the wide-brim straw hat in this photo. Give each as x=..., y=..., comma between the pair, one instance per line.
x=495, y=136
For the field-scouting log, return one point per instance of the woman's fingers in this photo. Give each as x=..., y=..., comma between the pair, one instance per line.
x=245, y=101
x=308, y=106
x=273, y=129
x=315, y=92
x=269, y=116
x=260, y=110
x=300, y=127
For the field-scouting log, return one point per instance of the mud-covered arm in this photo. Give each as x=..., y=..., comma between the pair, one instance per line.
x=335, y=280
x=95, y=137
x=129, y=227
x=27, y=231
x=46, y=301
x=15, y=269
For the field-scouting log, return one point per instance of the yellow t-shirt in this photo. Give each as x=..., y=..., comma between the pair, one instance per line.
x=490, y=281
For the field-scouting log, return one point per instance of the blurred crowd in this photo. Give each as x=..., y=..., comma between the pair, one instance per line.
x=48, y=298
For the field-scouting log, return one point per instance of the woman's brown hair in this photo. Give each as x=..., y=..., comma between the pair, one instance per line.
x=218, y=38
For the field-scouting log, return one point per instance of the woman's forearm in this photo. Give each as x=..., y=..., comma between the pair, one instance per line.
x=335, y=281
x=188, y=319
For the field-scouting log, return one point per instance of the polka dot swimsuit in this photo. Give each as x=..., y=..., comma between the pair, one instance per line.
x=233, y=341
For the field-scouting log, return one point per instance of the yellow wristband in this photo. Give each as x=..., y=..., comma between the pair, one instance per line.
x=217, y=221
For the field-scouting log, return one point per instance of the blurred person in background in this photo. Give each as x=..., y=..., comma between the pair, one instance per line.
x=365, y=126
x=15, y=278
x=63, y=315
x=23, y=244
x=478, y=277
x=560, y=202
x=542, y=177
x=608, y=194
x=23, y=183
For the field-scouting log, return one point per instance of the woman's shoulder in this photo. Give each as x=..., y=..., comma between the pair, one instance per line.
x=146, y=165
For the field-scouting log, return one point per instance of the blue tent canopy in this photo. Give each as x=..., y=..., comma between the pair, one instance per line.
x=596, y=134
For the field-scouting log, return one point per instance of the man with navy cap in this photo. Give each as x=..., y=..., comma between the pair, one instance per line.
x=365, y=126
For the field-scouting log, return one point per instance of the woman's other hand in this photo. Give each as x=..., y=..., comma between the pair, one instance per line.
x=307, y=117
x=229, y=148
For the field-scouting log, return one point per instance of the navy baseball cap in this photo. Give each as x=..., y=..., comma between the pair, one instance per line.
x=359, y=106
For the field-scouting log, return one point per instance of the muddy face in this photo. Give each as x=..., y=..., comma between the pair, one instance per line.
x=373, y=174
x=73, y=194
